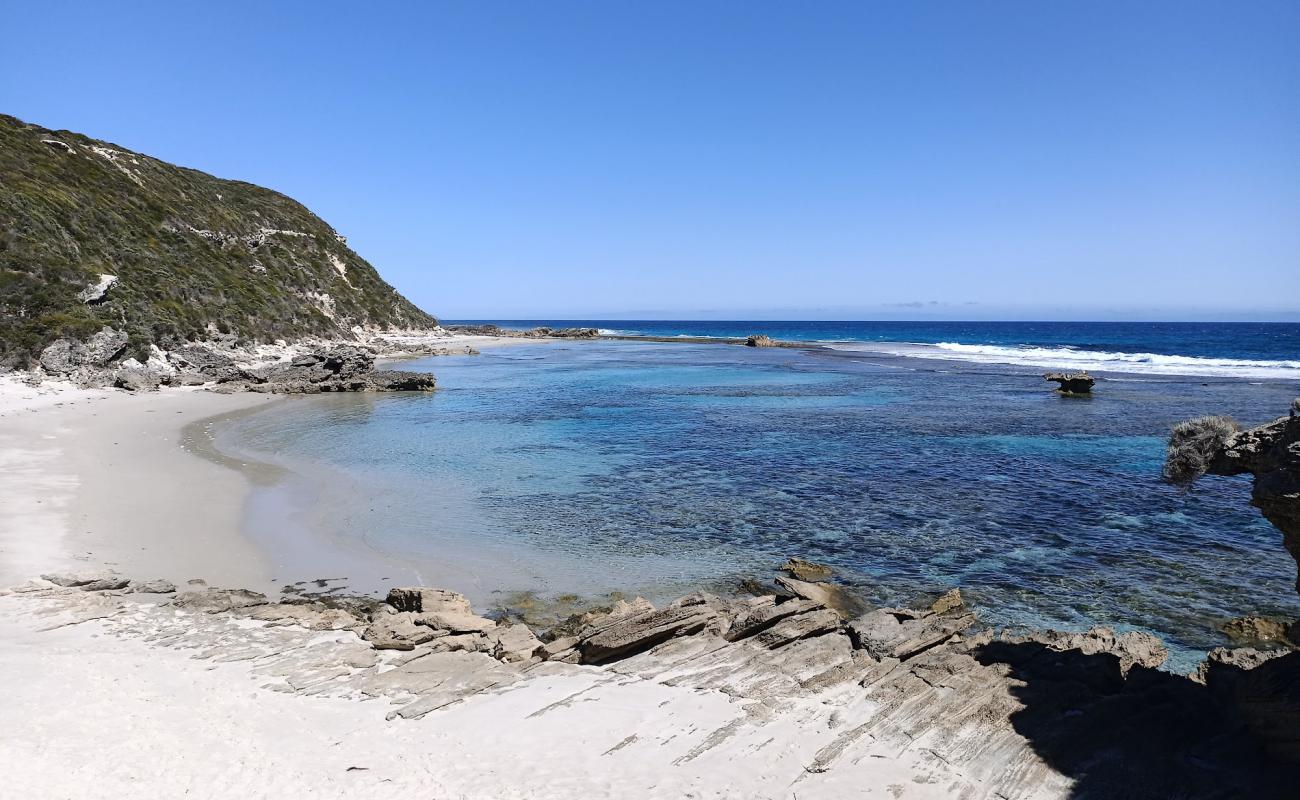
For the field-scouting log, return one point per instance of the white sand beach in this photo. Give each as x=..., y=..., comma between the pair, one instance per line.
x=117, y=695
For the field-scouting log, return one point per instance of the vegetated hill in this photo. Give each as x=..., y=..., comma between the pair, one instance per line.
x=191, y=254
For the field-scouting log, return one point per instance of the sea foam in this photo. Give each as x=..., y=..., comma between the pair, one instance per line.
x=1096, y=360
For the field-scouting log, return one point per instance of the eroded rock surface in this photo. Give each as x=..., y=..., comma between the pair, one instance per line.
x=1071, y=382
x=1271, y=453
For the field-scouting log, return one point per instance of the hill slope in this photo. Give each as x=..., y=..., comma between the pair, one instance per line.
x=183, y=254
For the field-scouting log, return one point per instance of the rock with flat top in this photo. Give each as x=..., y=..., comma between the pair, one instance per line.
x=903, y=633
x=1071, y=382
x=799, y=626
x=96, y=292
x=758, y=616
x=88, y=581
x=624, y=636
x=394, y=380
x=759, y=340
x=153, y=587
x=216, y=601
x=804, y=570
x=398, y=632
x=427, y=599
x=514, y=643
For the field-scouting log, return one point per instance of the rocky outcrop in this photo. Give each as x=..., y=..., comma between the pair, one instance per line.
x=1270, y=453
x=759, y=340
x=541, y=332
x=97, y=363
x=1071, y=382
x=1020, y=715
x=65, y=357
x=1254, y=628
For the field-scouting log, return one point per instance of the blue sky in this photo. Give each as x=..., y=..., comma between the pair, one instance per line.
x=749, y=159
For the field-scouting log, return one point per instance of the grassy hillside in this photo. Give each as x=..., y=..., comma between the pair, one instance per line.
x=192, y=253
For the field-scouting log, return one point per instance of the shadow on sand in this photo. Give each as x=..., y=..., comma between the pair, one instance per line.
x=1156, y=735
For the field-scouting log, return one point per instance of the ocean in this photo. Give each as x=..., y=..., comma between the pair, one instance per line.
x=912, y=457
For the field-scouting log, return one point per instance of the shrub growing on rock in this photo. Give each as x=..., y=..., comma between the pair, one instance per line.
x=1194, y=444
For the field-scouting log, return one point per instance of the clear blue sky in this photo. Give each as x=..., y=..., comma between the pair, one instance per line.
x=1030, y=159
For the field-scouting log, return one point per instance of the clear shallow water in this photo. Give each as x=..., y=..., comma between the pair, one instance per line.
x=1228, y=349
x=660, y=467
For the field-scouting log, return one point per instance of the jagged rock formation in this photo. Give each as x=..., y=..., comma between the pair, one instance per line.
x=1044, y=714
x=759, y=340
x=1271, y=453
x=94, y=235
x=1071, y=382
x=541, y=332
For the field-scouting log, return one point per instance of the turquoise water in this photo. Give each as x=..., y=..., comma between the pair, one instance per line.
x=661, y=467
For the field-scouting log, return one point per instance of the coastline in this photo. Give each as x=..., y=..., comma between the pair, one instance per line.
x=659, y=726
x=101, y=478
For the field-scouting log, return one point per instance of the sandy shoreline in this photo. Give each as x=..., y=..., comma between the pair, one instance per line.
x=100, y=477
x=124, y=695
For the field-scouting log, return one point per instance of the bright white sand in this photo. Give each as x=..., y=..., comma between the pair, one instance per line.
x=99, y=477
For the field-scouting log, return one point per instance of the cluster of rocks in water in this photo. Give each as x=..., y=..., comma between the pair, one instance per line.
x=326, y=367
x=540, y=332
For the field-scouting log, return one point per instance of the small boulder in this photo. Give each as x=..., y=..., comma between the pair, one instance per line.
x=101, y=579
x=153, y=587
x=398, y=632
x=759, y=340
x=949, y=601
x=1252, y=628
x=216, y=601
x=514, y=643
x=804, y=570
x=423, y=598
x=97, y=291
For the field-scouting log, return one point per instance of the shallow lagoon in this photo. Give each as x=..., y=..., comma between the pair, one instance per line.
x=655, y=468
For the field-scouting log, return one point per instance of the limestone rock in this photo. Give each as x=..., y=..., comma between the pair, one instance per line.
x=799, y=626
x=91, y=580
x=1131, y=648
x=313, y=616
x=136, y=377
x=758, y=616
x=1252, y=628
x=902, y=634
x=153, y=587
x=104, y=346
x=97, y=291
x=804, y=570
x=427, y=599
x=558, y=647
x=759, y=340
x=392, y=380
x=626, y=635
x=514, y=643
x=1271, y=453
x=949, y=601
x=215, y=601
x=1071, y=382
x=398, y=632
x=454, y=621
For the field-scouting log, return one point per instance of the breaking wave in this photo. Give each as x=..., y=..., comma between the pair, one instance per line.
x=1070, y=358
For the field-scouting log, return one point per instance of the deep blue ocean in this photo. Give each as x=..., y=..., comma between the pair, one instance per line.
x=585, y=467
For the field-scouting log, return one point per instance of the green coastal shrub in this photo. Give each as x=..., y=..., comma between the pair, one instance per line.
x=1193, y=446
x=192, y=253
